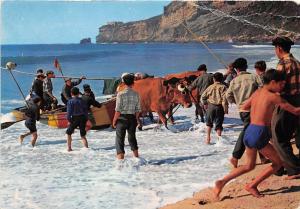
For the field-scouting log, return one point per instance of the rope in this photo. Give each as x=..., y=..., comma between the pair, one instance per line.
x=33, y=74
x=198, y=38
x=173, y=113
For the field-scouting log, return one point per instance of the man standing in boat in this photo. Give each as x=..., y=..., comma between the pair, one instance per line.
x=37, y=88
x=66, y=90
x=49, y=99
x=126, y=117
x=286, y=126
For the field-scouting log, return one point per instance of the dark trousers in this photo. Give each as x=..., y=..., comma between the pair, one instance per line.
x=129, y=123
x=284, y=127
x=48, y=102
x=77, y=121
x=239, y=148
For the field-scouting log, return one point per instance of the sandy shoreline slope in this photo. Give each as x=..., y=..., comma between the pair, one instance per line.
x=279, y=194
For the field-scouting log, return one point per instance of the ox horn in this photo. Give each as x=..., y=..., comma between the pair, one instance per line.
x=181, y=88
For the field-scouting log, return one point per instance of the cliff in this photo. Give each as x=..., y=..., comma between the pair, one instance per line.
x=249, y=21
x=86, y=41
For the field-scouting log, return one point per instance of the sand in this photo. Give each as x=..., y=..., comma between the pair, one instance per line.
x=279, y=194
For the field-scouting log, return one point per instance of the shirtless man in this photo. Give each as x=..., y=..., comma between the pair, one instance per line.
x=257, y=135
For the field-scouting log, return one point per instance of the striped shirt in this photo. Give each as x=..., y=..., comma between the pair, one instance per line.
x=291, y=67
x=47, y=85
x=128, y=102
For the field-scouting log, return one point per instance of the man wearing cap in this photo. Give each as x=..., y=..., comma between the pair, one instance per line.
x=89, y=98
x=201, y=83
x=240, y=89
x=37, y=88
x=66, y=90
x=285, y=125
x=49, y=99
x=126, y=117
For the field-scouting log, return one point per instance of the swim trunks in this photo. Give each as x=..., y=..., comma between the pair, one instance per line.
x=257, y=136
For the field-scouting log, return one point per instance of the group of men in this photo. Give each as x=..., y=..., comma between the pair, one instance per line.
x=41, y=99
x=237, y=86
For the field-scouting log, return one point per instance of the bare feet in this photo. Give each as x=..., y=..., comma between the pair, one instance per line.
x=234, y=162
x=297, y=176
x=218, y=188
x=207, y=141
x=21, y=138
x=70, y=150
x=254, y=191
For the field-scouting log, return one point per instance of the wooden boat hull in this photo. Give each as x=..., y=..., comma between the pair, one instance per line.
x=13, y=117
x=99, y=118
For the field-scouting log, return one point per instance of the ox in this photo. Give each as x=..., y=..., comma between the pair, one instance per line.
x=158, y=94
x=186, y=78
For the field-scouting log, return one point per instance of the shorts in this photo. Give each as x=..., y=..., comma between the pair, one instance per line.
x=257, y=136
x=77, y=121
x=31, y=125
x=215, y=114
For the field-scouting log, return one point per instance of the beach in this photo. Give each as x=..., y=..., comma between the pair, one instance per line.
x=279, y=193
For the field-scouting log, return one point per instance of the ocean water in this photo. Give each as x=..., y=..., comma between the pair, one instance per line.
x=111, y=60
x=174, y=163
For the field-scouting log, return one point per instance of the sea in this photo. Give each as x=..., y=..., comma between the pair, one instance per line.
x=174, y=163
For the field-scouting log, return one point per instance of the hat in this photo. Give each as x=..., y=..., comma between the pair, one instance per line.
x=40, y=70
x=49, y=72
x=86, y=87
x=282, y=41
x=39, y=74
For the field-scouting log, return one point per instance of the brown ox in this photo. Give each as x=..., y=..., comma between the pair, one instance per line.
x=158, y=94
x=187, y=78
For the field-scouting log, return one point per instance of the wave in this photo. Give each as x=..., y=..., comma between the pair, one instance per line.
x=12, y=102
x=252, y=46
x=258, y=46
x=64, y=58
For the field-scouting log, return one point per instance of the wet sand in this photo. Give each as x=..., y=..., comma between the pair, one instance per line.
x=278, y=194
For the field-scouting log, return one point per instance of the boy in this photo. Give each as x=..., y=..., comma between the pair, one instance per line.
x=257, y=134
x=126, y=117
x=32, y=115
x=77, y=114
x=260, y=69
x=213, y=99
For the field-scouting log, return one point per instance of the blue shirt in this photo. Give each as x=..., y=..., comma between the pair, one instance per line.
x=75, y=107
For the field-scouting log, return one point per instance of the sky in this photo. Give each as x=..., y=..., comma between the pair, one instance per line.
x=48, y=22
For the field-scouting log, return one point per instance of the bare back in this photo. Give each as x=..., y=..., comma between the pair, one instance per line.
x=262, y=107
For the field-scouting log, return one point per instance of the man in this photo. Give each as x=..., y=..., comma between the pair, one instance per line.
x=240, y=89
x=89, y=98
x=214, y=101
x=77, y=115
x=126, y=116
x=32, y=115
x=260, y=68
x=49, y=99
x=201, y=83
x=66, y=90
x=286, y=126
x=37, y=88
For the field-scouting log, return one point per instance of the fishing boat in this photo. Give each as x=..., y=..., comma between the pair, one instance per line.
x=99, y=118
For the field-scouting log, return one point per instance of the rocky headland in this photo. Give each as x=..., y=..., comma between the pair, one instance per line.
x=238, y=21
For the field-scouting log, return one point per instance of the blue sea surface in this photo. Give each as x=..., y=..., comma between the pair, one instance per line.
x=111, y=60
